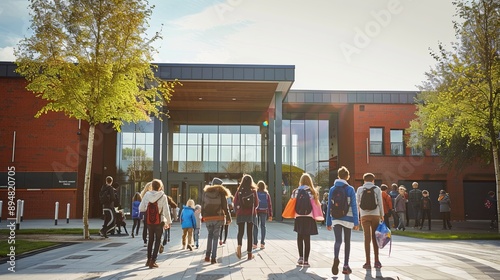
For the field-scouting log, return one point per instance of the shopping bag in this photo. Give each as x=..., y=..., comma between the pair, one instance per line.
x=383, y=236
x=317, y=212
x=289, y=212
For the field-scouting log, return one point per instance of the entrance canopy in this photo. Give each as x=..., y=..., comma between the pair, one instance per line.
x=226, y=87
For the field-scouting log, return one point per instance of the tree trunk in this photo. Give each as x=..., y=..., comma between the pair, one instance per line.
x=86, y=183
x=497, y=177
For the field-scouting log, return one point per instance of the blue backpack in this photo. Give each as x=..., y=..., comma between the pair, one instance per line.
x=262, y=200
x=339, y=204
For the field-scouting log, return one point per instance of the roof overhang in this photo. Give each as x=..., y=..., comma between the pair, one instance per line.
x=226, y=87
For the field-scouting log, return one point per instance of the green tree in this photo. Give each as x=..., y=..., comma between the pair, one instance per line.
x=90, y=59
x=458, y=109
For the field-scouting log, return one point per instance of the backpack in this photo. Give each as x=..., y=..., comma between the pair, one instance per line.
x=153, y=213
x=340, y=205
x=303, y=204
x=368, y=201
x=426, y=203
x=212, y=204
x=262, y=200
x=104, y=195
x=246, y=198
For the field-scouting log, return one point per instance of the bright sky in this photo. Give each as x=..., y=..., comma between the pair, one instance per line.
x=334, y=44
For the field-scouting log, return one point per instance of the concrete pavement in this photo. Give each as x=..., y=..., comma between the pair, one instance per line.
x=123, y=257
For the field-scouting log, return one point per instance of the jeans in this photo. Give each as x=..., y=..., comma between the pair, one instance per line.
x=154, y=237
x=261, y=220
x=213, y=228
x=337, y=231
x=401, y=224
x=136, y=226
x=417, y=211
x=196, y=236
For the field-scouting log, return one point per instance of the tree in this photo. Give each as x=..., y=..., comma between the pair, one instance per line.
x=90, y=59
x=459, y=106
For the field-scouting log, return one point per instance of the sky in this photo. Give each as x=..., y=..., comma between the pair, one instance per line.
x=333, y=44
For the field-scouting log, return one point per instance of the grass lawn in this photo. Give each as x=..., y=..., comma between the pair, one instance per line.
x=24, y=246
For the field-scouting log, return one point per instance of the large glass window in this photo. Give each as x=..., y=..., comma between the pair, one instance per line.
x=397, y=144
x=376, y=141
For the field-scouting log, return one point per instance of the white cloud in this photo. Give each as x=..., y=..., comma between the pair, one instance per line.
x=7, y=54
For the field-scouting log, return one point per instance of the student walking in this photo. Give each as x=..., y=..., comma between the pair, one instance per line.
x=490, y=203
x=388, y=209
x=342, y=215
x=225, y=228
x=264, y=213
x=445, y=208
x=305, y=224
x=136, y=214
x=394, y=193
x=400, y=207
x=245, y=203
x=215, y=213
x=188, y=223
x=173, y=213
x=147, y=187
x=369, y=197
x=415, y=199
x=426, y=208
x=107, y=200
x=154, y=203
x=196, y=233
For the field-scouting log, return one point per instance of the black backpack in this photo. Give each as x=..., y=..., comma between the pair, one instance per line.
x=246, y=198
x=368, y=201
x=303, y=204
x=339, y=204
x=104, y=195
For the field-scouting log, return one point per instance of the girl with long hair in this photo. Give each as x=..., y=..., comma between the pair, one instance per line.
x=136, y=214
x=245, y=203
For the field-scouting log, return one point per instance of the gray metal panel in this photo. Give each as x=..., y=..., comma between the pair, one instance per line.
x=238, y=73
x=279, y=74
x=248, y=74
x=186, y=73
x=208, y=74
x=269, y=74
x=176, y=72
x=217, y=74
x=196, y=73
x=228, y=73
x=259, y=74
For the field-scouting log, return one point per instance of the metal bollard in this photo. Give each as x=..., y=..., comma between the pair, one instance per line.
x=56, y=213
x=67, y=213
x=22, y=210
x=18, y=214
x=1, y=207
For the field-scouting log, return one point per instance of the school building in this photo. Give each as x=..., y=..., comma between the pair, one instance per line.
x=225, y=121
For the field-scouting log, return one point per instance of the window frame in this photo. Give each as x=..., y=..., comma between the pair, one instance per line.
x=380, y=143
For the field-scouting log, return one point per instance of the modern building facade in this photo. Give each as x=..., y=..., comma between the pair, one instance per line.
x=226, y=121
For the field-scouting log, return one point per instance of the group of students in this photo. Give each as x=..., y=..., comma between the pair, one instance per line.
x=252, y=207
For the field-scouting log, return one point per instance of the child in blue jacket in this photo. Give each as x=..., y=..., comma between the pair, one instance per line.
x=188, y=224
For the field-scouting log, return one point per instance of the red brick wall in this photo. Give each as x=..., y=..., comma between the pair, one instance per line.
x=40, y=204
x=389, y=169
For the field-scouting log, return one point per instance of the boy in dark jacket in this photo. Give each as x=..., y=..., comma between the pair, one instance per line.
x=426, y=208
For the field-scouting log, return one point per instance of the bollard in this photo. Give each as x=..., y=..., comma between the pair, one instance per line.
x=1, y=207
x=56, y=213
x=22, y=210
x=67, y=213
x=18, y=214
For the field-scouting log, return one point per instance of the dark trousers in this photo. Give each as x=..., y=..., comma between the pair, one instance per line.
x=417, y=212
x=426, y=213
x=223, y=231
x=145, y=232
x=136, y=226
x=446, y=219
x=109, y=220
x=154, y=239
x=241, y=230
x=337, y=231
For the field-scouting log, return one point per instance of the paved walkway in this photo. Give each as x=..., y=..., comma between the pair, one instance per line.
x=123, y=257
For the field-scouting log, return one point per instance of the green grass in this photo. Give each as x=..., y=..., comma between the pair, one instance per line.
x=448, y=235
x=23, y=246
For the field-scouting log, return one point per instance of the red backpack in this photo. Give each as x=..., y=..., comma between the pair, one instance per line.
x=153, y=216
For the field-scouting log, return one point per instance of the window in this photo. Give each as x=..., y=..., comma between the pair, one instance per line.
x=376, y=141
x=397, y=144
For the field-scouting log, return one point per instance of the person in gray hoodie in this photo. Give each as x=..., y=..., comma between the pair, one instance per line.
x=370, y=218
x=155, y=231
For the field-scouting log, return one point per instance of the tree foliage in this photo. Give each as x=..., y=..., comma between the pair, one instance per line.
x=90, y=59
x=459, y=106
